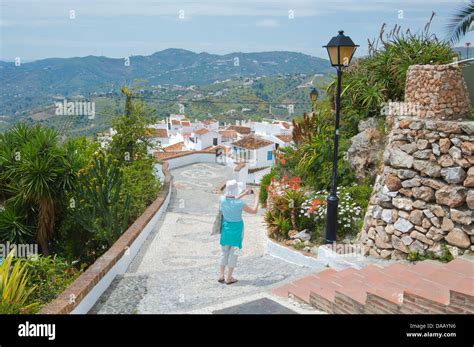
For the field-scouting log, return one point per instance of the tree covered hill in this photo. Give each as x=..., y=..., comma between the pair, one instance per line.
x=37, y=83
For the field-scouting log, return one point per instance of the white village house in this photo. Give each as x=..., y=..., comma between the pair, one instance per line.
x=202, y=138
x=253, y=150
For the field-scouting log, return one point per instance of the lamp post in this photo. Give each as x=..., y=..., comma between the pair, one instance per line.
x=340, y=50
x=313, y=95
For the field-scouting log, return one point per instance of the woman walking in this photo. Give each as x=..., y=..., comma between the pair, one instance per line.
x=232, y=231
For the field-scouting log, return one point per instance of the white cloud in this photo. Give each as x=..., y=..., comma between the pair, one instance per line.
x=13, y=10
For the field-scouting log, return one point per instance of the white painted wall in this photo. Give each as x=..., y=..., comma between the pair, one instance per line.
x=261, y=157
x=256, y=177
x=122, y=265
x=191, y=159
x=264, y=128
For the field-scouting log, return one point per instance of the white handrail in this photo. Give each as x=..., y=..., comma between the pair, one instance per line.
x=461, y=61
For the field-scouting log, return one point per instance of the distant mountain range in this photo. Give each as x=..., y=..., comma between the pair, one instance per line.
x=37, y=83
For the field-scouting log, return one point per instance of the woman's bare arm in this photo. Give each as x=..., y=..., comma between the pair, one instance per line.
x=241, y=195
x=253, y=209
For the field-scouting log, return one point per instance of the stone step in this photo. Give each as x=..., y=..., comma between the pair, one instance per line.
x=300, y=289
x=426, y=287
x=464, y=265
x=461, y=298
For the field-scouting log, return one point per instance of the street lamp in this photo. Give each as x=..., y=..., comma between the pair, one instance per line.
x=340, y=50
x=313, y=95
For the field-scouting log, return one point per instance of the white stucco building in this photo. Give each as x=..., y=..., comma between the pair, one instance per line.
x=202, y=138
x=253, y=150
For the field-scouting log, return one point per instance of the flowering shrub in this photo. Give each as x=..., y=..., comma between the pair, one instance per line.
x=292, y=207
x=285, y=197
x=349, y=212
x=278, y=187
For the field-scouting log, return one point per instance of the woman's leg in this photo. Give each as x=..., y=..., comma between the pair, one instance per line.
x=222, y=271
x=224, y=260
x=232, y=262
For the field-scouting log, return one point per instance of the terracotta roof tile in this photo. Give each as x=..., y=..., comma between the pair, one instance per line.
x=152, y=132
x=252, y=142
x=230, y=134
x=240, y=129
x=285, y=138
x=179, y=146
x=201, y=131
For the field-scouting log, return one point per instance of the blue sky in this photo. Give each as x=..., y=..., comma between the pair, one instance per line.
x=37, y=29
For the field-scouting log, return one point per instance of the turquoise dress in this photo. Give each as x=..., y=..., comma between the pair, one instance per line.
x=232, y=223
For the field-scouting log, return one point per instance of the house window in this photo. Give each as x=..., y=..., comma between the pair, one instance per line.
x=269, y=155
x=214, y=141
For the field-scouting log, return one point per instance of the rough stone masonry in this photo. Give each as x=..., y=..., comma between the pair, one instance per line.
x=424, y=197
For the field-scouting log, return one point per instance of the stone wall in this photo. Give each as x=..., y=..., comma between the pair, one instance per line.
x=425, y=195
x=437, y=91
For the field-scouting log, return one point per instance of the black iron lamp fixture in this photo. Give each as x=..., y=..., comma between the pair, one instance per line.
x=340, y=50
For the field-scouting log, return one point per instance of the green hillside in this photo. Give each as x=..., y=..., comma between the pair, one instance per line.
x=37, y=83
x=227, y=101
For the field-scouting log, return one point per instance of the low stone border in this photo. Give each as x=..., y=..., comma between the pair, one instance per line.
x=81, y=295
x=277, y=250
x=325, y=257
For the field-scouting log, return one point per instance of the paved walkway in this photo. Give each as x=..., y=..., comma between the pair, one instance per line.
x=176, y=269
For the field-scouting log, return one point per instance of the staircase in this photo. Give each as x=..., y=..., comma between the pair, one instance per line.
x=426, y=287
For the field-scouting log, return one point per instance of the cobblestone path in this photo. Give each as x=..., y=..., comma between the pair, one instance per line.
x=176, y=269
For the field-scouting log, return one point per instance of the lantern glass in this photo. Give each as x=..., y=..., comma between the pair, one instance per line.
x=341, y=55
x=334, y=55
x=346, y=53
x=341, y=49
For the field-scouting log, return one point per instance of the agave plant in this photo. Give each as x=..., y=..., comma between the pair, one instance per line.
x=14, y=290
x=461, y=22
x=278, y=225
x=13, y=227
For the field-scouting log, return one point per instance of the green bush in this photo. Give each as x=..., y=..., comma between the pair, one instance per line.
x=49, y=275
x=266, y=179
x=350, y=213
x=36, y=173
x=14, y=227
x=140, y=184
x=99, y=212
x=380, y=77
x=15, y=288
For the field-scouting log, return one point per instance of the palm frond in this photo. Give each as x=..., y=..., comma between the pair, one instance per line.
x=461, y=22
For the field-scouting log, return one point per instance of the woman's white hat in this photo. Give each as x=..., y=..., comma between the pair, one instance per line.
x=233, y=188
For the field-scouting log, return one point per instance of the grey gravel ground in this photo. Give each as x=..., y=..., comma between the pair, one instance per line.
x=176, y=269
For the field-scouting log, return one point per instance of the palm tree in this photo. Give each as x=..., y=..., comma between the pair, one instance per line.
x=40, y=177
x=461, y=22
